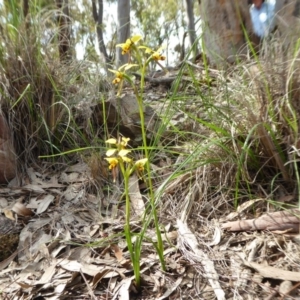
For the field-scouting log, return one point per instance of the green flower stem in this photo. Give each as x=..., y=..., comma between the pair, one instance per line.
x=134, y=255
x=137, y=55
x=135, y=250
x=139, y=96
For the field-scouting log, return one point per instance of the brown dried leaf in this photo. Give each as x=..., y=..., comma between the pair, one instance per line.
x=3, y=202
x=123, y=293
x=271, y=272
x=118, y=252
x=135, y=195
x=33, y=188
x=81, y=167
x=89, y=269
x=121, y=259
x=7, y=261
x=44, y=203
x=100, y=276
x=22, y=210
x=9, y=214
x=48, y=274
x=73, y=192
x=171, y=289
x=80, y=254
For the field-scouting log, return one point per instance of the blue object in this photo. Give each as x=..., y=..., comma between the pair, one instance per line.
x=263, y=18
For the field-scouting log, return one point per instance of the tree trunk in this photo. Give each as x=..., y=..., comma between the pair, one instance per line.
x=191, y=26
x=123, y=30
x=223, y=32
x=98, y=18
x=287, y=13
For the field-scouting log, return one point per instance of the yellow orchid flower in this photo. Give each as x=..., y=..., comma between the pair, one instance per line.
x=111, y=152
x=136, y=38
x=117, y=80
x=127, y=66
x=156, y=55
x=120, y=146
x=124, y=142
x=139, y=164
x=129, y=42
x=111, y=141
x=147, y=49
x=113, y=162
x=125, y=46
x=120, y=72
x=126, y=159
x=119, y=76
x=122, y=153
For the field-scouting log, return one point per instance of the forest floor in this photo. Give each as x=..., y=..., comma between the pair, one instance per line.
x=71, y=243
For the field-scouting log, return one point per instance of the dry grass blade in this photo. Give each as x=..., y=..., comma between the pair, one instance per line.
x=171, y=289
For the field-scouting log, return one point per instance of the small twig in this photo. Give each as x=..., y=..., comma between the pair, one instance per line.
x=290, y=290
x=88, y=287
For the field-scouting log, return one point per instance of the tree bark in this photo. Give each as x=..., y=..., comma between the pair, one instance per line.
x=223, y=29
x=98, y=18
x=287, y=13
x=279, y=220
x=123, y=30
x=191, y=26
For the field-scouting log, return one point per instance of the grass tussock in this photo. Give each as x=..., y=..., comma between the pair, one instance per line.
x=245, y=136
x=42, y=95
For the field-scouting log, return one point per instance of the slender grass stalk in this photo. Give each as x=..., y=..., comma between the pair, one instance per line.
x=21, y=96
